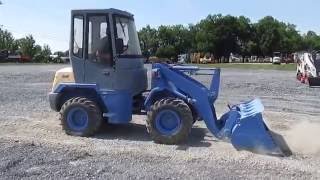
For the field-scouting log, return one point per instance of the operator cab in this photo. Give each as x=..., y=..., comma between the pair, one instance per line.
x=105, y=50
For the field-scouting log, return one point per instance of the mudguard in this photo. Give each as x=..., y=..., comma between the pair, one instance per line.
x=118, y=103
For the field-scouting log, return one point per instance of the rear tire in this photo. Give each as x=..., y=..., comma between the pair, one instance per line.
x=169, y=121
x=80, y=117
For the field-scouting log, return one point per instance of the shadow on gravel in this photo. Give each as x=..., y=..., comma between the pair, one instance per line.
x=131, y=131
x=197, y=139
x=138, y=132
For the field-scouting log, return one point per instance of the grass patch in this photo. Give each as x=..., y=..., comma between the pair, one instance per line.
x=283, y=67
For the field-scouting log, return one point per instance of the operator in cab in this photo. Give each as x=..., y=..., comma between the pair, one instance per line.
x=103, y=53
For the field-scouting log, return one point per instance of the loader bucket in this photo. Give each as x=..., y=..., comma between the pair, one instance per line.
x=252, y=134
x=249, y=132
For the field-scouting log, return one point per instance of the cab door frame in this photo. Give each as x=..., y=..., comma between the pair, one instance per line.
x=97, y=72
x=76, y=61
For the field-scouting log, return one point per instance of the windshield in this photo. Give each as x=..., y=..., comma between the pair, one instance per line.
x=126, y=30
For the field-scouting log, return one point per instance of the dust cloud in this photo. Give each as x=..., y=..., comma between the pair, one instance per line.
x=304, y=138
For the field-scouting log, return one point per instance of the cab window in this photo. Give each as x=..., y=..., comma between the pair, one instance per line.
x=126, y=30
x=78, y=25
x=99, y=41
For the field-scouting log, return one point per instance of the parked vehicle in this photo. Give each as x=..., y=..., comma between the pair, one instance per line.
x=234, y=58
x=3, y=55
x=182, y=58
x=205, y=60
x=277, y=57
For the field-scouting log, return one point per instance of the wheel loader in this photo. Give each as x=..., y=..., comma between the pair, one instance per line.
x=108, y=83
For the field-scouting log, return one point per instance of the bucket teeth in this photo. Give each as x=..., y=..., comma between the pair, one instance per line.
x=250, y=108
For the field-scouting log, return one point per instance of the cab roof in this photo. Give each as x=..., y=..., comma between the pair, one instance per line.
x=110, y=11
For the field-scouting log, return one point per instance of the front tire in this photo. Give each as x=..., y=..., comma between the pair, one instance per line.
x=80, y=117
x=169, y=121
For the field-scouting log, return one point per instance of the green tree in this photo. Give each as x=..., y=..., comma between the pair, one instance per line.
x=290, y=39
x=205, y=35
x=246, y=37
x=148, y=41
x=42, y=54
x=269, y=35
x=222, y=35
x=273, y=35
x=193, y=29
x=38, y=58
x=7, y=42
x=46, y=52
x=311, y=41
x=27, y=46
x=176, y=37
x=228, y=36
x=166, y=52
x=182, y=39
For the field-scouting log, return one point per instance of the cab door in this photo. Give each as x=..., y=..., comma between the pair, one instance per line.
x=99, y=56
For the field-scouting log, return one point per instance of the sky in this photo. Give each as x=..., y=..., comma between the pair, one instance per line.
x=49, y=20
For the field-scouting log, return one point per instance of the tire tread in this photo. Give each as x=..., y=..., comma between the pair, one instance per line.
x=185, y=114
x=94, y=113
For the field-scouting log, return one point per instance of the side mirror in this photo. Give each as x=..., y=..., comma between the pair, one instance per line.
x=119, y=46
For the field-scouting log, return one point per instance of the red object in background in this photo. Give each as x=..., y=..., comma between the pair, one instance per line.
x=304, y=79
x=24, y=59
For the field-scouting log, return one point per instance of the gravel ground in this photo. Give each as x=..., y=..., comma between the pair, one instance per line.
x=33, y=146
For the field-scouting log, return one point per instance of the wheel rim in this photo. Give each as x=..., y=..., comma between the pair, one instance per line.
x=77, y=119
x=168, y=122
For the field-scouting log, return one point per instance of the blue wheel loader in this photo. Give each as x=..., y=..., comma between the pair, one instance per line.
x=108, y=82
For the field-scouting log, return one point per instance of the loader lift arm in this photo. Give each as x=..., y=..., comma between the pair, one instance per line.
x=173, y=79
x=242, y=125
